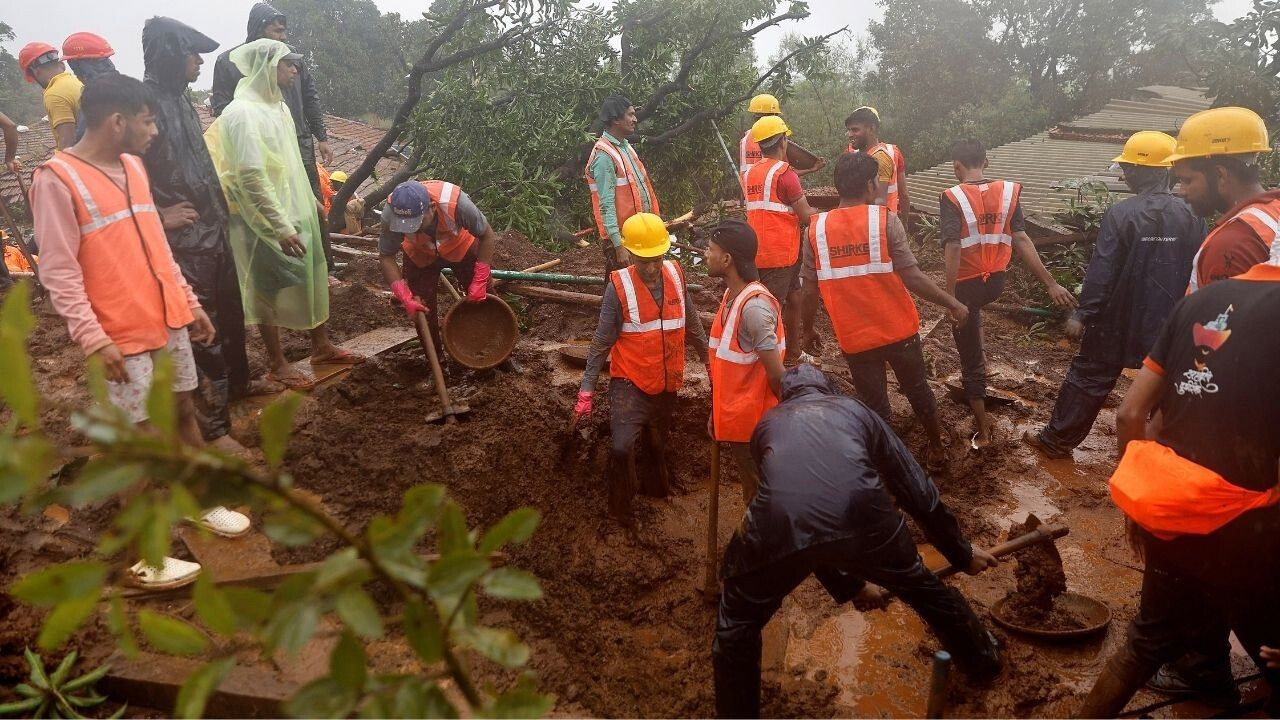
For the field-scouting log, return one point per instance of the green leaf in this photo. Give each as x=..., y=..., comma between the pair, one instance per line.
x=415, y=698
x=162, y=409
x=23, y=707
x=517, y=527
x=213, y=607
x=512, y=584
x=340, y=568
x=35, y=668
x=422, y=629
x=66, y=618
x=155, y=534
x=291, y=626
x=199, y=685
x=252, y=607
x=88, y=680
x=57, y=584
x=499, y=645
x=321, y=698
x=277, y=423
x=523, y=702
x=16, y=384
x=87, y=701
x=454, y=574
x=421, y=505
x=347, y=663
x=59, y=676
x=359, y=612
x=118, y=624
x=102, y=479
x=453, y=535
x=290, y=527
x=171, y=635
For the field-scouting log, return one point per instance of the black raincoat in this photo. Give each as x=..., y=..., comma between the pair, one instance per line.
x=300, y=96
x=1140, y=267
x=180, y=170
x=831, y=469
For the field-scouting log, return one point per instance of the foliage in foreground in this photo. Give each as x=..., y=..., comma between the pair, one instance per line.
x=435, y=606
x=56, y=694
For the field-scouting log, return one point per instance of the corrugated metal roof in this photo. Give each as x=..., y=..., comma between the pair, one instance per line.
x=350, y=141
x=1074, y=149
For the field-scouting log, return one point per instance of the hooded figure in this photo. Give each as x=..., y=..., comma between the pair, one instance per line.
x=181, y=171
x=254, y=150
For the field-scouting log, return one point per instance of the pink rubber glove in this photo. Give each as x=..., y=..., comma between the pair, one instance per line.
x=401, y=290
x=479, y=289
x=584, y=403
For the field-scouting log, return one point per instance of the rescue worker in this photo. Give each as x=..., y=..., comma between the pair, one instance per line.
x=619, y=184
x=1216, y=162
x=194, y=212
x=1200, y=491
x=110, y=275
x=89, y=56
x=859, y=258
x=763, y=105
x=437, y=226
x=776, y=210
x=1139, y=268
x=41, y=64
x=646, y=319
x=355, y=206
x=862, y=127
x=301, y=97
x=832, y=479
x=745, y=347
x=982, y=225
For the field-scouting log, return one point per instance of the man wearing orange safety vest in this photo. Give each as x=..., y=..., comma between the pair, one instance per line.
x=646, y=319
x=437, y=226
x=862, y=127
x=1201, y=494
x=981, y=227
x=1216, y=162
x=110, y=274
x=763, y=105
x=746, y=347
x=619, y=184
x=776, y=209
x=860, y=261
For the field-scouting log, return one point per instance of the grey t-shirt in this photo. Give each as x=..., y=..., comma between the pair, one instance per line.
x=466, y=214
x=759, y=327
x=899, y=250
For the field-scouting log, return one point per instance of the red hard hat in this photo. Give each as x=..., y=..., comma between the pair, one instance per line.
x=86, y=46
x=30, y=53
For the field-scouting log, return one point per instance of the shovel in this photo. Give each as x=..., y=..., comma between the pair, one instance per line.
x=448, y=410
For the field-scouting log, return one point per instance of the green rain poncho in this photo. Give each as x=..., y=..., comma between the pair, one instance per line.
x=255, y=150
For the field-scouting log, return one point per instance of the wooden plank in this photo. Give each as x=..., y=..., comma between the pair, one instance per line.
x=352, y=251
x=369, y=344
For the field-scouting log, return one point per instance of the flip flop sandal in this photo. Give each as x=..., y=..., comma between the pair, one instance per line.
x=224, y=522
x=343, y=357
x=265, y=386
x=172, y=573
x=298, y=382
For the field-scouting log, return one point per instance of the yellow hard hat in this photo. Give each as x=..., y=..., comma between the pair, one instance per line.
x=768, y=126
x=1221, y=131
x=1147, y=148
x=765, y=104
x=337, y=176
x=645, y=235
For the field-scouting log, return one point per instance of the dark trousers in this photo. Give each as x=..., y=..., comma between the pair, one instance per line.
x=222, y=365
x=425, y=283
x=906, y=357
x=975, y=293
x=307, y=146
x=748, y=601
x=1080, y=399
x=636, y=416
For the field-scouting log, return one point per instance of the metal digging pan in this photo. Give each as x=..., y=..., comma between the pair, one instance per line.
x=1095, y=613
x=480, y=335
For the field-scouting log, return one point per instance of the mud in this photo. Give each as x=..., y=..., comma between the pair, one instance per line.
x=1041, y=579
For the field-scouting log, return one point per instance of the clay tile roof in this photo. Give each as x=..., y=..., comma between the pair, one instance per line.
x=1080, y=148
x=35, y=145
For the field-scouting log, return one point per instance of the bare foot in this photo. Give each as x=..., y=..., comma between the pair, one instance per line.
x=292, y=378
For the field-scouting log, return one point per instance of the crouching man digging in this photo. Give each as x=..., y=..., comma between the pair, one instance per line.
x=831, y=472
x=106, y=263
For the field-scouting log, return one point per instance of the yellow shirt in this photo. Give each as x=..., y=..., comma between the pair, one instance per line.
x=62, y=99
x=887, y=170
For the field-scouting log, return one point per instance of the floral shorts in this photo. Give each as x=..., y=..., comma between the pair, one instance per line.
x=132, y=396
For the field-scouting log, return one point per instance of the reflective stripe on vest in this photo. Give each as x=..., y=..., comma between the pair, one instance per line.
x=892, y=152
x=974, y=237
x=986, y=246
x=877, y=264
x=776, y=224
x=451, y=241
x=749, y=154
x=724, y=350
x=1263, y=218
x=633, y=304
x=650, y=349
x=766, y=202
x=98, y=221
x=739, y=382
x=631, y=179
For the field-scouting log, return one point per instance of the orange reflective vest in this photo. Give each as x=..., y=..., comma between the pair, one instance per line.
x=776, y=224
x=899, y=170
x=451, y=241
x=1262, y=217
x=987, y=243
x=740, y=392
x=129, y=274
x=868, y=304
x=626, y=192
x=650, y=349
x=1169, y=495
x=749, y=154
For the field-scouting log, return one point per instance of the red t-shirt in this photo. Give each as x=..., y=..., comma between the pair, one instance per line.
x=789, y=188
x=1234, y=247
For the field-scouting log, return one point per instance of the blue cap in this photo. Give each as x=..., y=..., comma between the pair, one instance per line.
x=408, y=203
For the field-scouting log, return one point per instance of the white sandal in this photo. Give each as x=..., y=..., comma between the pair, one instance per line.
x=225, y=522
x=172, y=573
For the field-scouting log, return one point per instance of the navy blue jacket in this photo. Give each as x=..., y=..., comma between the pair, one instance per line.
x=1140, y=267
x=831, y=469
